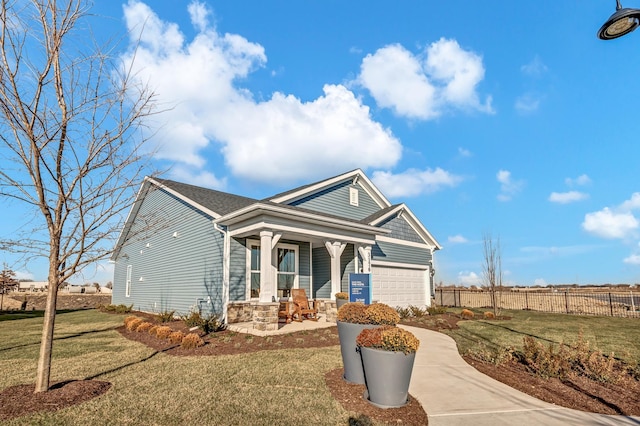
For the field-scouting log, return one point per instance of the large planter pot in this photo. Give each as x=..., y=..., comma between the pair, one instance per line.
x=340, y=302
x=387, y=375
x=347, y=332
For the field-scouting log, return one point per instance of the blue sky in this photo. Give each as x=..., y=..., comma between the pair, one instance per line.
x=501, y=117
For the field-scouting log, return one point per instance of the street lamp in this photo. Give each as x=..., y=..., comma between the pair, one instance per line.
x=622, y=22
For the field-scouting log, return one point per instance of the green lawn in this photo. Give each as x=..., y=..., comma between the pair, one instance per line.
x=284, y=387
x=618, y=335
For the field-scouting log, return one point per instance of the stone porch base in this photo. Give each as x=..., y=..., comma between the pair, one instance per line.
x=264, y=316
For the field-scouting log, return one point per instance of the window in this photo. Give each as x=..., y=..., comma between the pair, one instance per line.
x=353, y=196
x=255, y=270
x=128, y=282
x=286, y=271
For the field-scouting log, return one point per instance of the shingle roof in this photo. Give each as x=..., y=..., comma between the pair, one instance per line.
x=216, y=201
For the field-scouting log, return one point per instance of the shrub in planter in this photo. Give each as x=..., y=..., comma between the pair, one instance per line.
x=342, y=295
x=191, y=341
x=388, y=354
x=352, y=319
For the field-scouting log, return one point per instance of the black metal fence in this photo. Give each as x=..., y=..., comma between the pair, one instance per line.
x=615, y=304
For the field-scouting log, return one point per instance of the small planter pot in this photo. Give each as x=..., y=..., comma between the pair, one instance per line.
x=387, y=376
x=340, y=302
x=347, y=332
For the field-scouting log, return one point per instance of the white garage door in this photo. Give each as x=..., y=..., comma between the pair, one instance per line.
x=400, y=286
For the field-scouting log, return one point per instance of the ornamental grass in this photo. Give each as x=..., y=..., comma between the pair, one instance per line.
x=191, y=341
x=133, y=324
x=388, y=338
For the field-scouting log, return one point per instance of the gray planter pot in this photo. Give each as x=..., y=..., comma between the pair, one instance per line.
x=351, y=359
x=387, y=375
x=340, y=302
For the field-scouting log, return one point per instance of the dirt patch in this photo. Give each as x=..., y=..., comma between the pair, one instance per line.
x=20, y=400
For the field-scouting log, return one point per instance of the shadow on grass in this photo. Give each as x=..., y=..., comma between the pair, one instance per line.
x=69, y=336
x=18, y=315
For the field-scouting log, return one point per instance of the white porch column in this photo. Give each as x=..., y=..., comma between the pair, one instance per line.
x=267, y=288
x=335, y=250
x=365, y=253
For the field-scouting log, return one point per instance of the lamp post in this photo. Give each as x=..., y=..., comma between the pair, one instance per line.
x=622, y=22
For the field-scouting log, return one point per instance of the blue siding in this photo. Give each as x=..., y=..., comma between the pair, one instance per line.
x=347, y=266
x=401, y=230
x=390, y=252
x=238, y=271
x=335, y=201
x=177, y=272
x=321, y=273
x=304, y=271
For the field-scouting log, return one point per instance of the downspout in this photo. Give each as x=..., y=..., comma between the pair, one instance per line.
x=226, y=254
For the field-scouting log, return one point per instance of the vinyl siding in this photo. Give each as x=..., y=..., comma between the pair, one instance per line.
x=238, y=271
x=390, y=252
x=347, y=266
x=335, y=201
x=177, y=272
x=321, y=273
x=401, y=230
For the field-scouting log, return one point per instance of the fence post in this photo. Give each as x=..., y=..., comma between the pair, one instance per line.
x=610, y=304
x=526, y=299
x=566, y=302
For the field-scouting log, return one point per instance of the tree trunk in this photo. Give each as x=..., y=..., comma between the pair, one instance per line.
x=46, y=345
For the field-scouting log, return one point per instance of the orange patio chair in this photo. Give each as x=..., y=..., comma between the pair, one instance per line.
x=303, y=308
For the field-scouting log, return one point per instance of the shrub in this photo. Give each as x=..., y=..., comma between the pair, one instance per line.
x=123, y=309
x=404, y=313
x=153, y=330
x=165, y=316
x=355, y=313
x=109, y=308
x=342, y=295
x=388, y=338
x=489, y=315
x=144, y=326
x=163, y=332
x=417, y=312
x=208, y=324
x=176, y=337
x=436, y=310
x=128, y=319
x=133, y=324
x=382, y=314
x=191, y=341
x=467, y=314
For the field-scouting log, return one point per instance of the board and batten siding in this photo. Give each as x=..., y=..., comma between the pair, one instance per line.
x=335, y=201
x=399, y=253
x=176, y=265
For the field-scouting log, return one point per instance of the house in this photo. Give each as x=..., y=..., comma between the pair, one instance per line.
x=185, y=247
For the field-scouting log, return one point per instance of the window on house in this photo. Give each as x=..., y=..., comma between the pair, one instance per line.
x=255, y=271
x=128, y=282
x=286, y=271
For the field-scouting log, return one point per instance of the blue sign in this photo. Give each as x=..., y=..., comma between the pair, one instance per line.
x=360, y=288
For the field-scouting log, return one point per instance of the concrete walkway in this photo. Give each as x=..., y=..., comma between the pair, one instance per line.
x=454, y=393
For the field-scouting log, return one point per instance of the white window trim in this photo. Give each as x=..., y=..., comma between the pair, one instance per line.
x=127, y=287
x=274, y=270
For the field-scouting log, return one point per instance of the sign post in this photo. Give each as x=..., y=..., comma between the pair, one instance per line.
x=360, y=288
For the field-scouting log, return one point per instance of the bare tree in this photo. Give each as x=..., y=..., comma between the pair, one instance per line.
x=71, y=135
x=492, y=270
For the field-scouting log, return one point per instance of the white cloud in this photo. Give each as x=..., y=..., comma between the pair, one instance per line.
x=609, y=224
x=24, y=275
x=540, y=282
x=469, y=278
x=632, y=203
x=424, y=86
x=414, y=182
x=269, y=141
x=633, y=259
x=464, y=152
x=197, y=177
x=457, y=239
x=508, y=186
x=579, y=181
x=534, y=68
x=528, y=103
x=567, y=197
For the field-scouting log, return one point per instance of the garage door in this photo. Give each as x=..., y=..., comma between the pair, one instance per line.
x=400, y=286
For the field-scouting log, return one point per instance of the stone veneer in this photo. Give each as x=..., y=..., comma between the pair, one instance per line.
x=239, y=312
x=265, y=316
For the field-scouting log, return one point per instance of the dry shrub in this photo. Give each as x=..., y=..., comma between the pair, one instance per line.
x=191, y=341
x=355, y=313
x=176, y=337
x=144, y=326
x=388, y=338
x=489, y=315
x=163, y=332
x=128, y=319
x=153, y=330
x=133, y=324
x=467, y=314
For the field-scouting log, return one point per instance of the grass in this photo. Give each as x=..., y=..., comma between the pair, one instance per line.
x=618, y=335
x=264, y=388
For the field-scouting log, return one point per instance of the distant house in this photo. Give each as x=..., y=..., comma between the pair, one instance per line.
x=185, y=247
x=33, y=286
